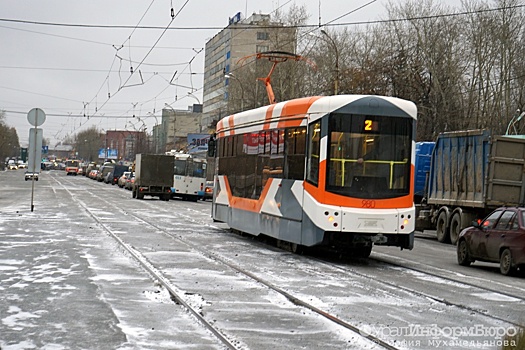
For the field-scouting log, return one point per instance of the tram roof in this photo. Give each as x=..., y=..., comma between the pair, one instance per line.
x=299, y=112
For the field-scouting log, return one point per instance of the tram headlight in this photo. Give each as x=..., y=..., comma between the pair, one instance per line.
x=331, y=219
x=405, y=223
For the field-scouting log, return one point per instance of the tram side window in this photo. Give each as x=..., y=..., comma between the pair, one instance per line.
x=263, y=162
x=270, y=158
x=295, y=145
x=249, y=163
x=314, y=146
x=227, y=162
x=277, y=153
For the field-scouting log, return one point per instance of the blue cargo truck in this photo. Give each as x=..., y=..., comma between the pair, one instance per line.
x=471, y=173
x=422, y=169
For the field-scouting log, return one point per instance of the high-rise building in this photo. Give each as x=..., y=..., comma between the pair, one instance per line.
x=241, y=38
x=175, y=125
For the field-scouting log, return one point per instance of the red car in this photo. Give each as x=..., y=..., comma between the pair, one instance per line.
x=499, y=238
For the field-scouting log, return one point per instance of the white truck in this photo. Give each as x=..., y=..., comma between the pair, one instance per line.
x=153, y=176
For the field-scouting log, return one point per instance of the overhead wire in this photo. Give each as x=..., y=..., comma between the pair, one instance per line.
x=330, y=23
x=121, y=86
x=300, y=26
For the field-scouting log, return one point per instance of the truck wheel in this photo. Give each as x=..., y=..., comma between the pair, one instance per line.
x=455, y=228
x=140, y=195
x=441, y=228
x=297, y=248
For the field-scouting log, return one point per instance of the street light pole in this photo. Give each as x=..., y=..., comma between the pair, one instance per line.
x=170, y=118
x=336, y=80
x=230, y=75
x=155, y=131
x=195, y=97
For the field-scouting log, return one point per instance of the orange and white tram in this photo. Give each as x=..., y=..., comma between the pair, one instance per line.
x=335, y=171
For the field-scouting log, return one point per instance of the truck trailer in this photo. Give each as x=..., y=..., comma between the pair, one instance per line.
x=471, y=174
x=153, y=176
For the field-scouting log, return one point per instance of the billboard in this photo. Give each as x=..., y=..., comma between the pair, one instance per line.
x=198, y=143
x=107, y=154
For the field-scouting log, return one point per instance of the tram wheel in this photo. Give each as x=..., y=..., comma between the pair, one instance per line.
x=362, y=252
x=297, y=248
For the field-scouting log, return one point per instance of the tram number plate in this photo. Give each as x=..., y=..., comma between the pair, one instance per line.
x=368, y=203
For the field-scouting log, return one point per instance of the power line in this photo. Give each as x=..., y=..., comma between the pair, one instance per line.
x=144, y=58
x=90, y=70
x=95, y=42
x=247, y=27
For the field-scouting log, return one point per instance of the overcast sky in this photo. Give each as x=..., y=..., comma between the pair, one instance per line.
x=69, y=71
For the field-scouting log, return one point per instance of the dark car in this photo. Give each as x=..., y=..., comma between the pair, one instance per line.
x=499, y=238
x=116, y=173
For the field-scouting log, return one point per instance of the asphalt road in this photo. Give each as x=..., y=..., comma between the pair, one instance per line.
x=68, y=284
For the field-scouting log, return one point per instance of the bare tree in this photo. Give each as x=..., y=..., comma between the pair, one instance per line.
x=9, y=143
x=462, y=67
x=88, y=142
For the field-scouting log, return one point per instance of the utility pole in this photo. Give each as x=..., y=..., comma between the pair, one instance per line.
x=336, y=79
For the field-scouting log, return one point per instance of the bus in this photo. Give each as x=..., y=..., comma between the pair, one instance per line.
x=189, y=176
x=72, y=166
x=333, y=171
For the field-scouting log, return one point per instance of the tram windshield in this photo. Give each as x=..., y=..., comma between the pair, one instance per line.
x=369, y=156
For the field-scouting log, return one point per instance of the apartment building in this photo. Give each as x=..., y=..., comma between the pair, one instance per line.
x=241, y=38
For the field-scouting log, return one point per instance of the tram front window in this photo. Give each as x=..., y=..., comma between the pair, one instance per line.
x=369, y=156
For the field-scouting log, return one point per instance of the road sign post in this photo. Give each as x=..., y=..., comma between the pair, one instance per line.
x=35, y=117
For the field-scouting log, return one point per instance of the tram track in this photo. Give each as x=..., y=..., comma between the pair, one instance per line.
x=195, y=220
x=155, y=274
x=418, y=293
x=164, y=281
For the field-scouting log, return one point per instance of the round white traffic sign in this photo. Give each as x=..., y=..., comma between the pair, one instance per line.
x=36, y=117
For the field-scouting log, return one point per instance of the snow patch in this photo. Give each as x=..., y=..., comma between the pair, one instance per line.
x=495, y=297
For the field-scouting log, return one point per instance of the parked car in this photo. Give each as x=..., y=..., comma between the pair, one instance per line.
x=90, y=166
x=122, y=180
x=130, y=182
x=499, y=238
x=108, y=178
x=22, y=166
x=12, y=166
x=93, y=174
x=103, y=172
x=116, y=173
